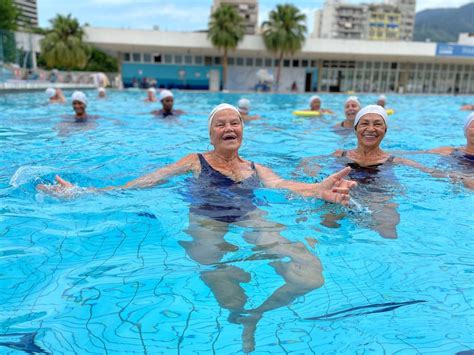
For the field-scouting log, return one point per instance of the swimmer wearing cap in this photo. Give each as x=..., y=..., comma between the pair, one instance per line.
x=244, y=108
x=382, y=100
x=151, y=95
x=315, y=105
x=55, y=96
x=79, y=104
x=101, y=93
x=167, y=102
x=351, y=108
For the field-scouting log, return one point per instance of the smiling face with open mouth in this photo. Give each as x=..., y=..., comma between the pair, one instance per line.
x=226, y=130
x=371, y=130
x=350, y=109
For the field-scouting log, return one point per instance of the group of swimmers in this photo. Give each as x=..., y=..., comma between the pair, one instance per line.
x=222, y=194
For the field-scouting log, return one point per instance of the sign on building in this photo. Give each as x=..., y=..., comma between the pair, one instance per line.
x=454, y=50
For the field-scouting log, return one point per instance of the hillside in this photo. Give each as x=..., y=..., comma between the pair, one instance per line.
x=444, y=25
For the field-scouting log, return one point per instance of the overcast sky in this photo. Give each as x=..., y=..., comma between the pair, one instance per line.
x=175, y=15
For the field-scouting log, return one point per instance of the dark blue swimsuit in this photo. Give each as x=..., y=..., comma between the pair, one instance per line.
x=214, y=195
x=377, y=177
x=464, y=160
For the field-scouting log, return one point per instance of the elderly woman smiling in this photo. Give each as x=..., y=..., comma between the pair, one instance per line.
x=221, y=194
x=372, y=169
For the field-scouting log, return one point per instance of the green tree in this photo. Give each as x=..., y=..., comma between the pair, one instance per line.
x=8, y=15
x=63, y=47
x=284, y=32
x=100, y=61
x=226, y=30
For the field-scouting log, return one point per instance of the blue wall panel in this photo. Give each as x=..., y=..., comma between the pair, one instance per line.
x=169, y=75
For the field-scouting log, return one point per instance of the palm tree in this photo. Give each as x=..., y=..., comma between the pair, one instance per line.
x=284, y=32
x=63, y=47
x=226, y=30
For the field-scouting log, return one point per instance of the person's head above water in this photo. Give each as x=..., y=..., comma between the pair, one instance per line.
x=101, y=92
x=151, y=94
x=225, y=127
x=79, y=103
x=351, y=107
x=382, y=100
x=315, y=103
x=167, y=100
x=469, y=128
x=244, y=106
x=50, y=92
x=371, y=125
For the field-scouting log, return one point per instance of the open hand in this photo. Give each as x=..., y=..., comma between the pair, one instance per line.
x=335, y=188
x=63, y=188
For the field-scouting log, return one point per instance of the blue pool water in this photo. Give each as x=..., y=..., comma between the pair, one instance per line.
x=108, y=273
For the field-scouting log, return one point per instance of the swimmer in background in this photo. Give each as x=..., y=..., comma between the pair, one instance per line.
x=101, y=93
x=467, y=107
x=151, y=95
x=221, y=194
x=82, y=121
x=55, y=96
x=167, y=102
x=463, y=156
x=351, y=108
x=244, y=108
x=315, y=105
x=382, y=100
x=372, y=169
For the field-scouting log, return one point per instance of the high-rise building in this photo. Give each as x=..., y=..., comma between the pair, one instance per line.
x=392, y=20
x=384, y=22
x=248, y=9
x=28, y=13
x=408, y=11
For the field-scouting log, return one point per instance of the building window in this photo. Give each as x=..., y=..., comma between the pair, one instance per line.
x=207, y=60
x=286, y=63
x=188, y=59
x=178, y=59
x=230, y=61
x=304, y=63
x=296, y=63
x=258, y=62
x=147, y=58
x=217, y=60
x=157, y=58
x=198, y=60
x=249, y=62
x=268, y=62
x=314, y=63
x=136, y=57
x=168, y=58
x=240, y=61
x=126, y=57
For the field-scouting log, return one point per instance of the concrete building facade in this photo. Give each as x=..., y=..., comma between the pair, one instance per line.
x=248, y=9
x=29, y=13
x=188, y=60
x=393, y=20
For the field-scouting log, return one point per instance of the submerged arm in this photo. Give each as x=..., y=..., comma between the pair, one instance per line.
x=185, y=165
x=467, y=180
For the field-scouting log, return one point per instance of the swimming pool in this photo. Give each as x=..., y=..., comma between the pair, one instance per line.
x=106, y=273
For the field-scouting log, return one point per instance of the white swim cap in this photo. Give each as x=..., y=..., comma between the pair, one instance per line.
x=244, y=104
x=153, y=90
x=164, y=94
x=314, y=97
x=221, y=107
x=79, y=96
x=383, y=97
x=379, y=110
x=50, y=92
x=101, y=89
x=354, y=99
x=467, y=122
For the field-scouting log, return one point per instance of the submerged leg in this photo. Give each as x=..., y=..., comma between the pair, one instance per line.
x=207, y=248
x=302, y=272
